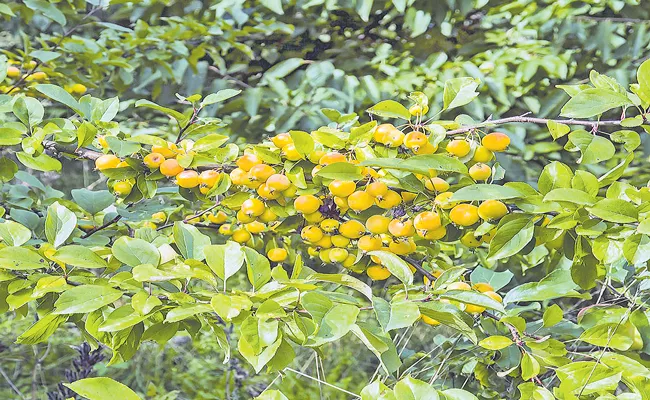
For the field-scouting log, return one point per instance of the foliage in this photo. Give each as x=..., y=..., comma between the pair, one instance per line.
x=342, y=228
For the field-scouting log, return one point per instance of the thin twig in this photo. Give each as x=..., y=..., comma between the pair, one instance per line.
x=229, y=77
x=103, y=226
x=11, y=384
x=324, y=383
x=533, y=120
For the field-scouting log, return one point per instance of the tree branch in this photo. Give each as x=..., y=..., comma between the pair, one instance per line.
x=417, y=265
x=103, y=226
x=229, y=77
x=533, y=120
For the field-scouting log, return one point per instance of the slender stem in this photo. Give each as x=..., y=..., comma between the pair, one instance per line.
x=323, y=382
x=417, y=265
x=11, y=384
x=103, y=226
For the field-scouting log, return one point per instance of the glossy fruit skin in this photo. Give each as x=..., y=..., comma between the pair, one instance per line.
x=369, y=243
x=458, y=148
x=13, y=72
x=255, y=227
x=209, y=177
x=493, y=295
x=435, y=234
x=170, y=167
x=483, y=287
x=418, y=110
x=470, y=240
x=399, y=228
x=464, y=215
x=482, y=154
x=241, y=235
x=378, y=273
x=290, y=152
x=442, y=200
x=377, y=189
x=429, y=320
x=382, y=131
x=474, y=309
x=277, y=255
x=342, y=188
x=311, y=233
x=78, y=88
x=352, y=229
x=281, y=139
x=338, y=255
x=153, y=160
x=278, y=182
x=307, y=204
x=496, y=141
x=248, y=161
x=377, y=224
x=329, y=225
x=253, y=207
x=427, y=220
x=389, y=200
x=480, y=172
x=331, y=158
x=436, y=184
x=360, y=201
x=459, y=286
x=122, y=188
x=415, y=140
x=491, y=210
x=167, y=151
x=107, y=161
x=261, y=172
x=188, y=179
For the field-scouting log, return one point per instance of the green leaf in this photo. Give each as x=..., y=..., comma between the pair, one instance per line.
x=615, y=210
x=224, y=259
x=529, y=367
x=121, y=318
x=511, y=237
x=471, y=297
x=343, y=279
x=79, y=256
x=272, y=394
x=390, y=109
x=59, y=224
x=190, y=241
x=630, y=139
x=102, y=389
x=59, y=94
x=414, y=389
x=495, y=279
x=594, y=148
x=459, y=92
x=8, y=168
x=574, y=196
x=273, y=5
x=422, y=164
x=402, y=314
x=85, y=299
x=557, y=129
x=209, y=142
x=619, y=336
x=220, y=96
x=41, y=330
x=47, y=10
x=556, y=284
x=10, y=136
x=282, y=69
x=341, y=170
x=495, y=342
x=28, y=110
x=531, y=390
x=484, y=191
x=42, y=162
x=20, y=258
x=592, y=102
x=258, y=268
x=643, y=77
x=185, y=311
x=14, y=234
x=398, y=267
x=303, y=142
x=451, y=316
x=134, y=252
x=554, y=176
x=636, y=249
x=586, y=182
x=172, y=113
x=552, y=316
x=92, y=201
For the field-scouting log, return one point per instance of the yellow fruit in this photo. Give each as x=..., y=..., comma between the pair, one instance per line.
x=261, y=172
x=341, y=203
x=311, y=233
x=459, y=286
x=122, y=164
x=474, y=309
x=324, y=256
x=382, y=131
x=418, y=110
x=397, y=227
x=253, y=207
x=277, y=255
x=483, y=287
x=436, y=184
x=101, y=139
x=350, y=261
x=360, y=201
x=464, y=214
x=637, y=343
x=377, y=189
x=291, y=192
x=307, y=204
x=401, y=247
x=255, y=227
x=442, y=200
x=389, y=200
x=314, y=218
x=480, y=172
x=378, y=273
x=291, y=153
x=428, y=148
x=167, y=151
x=187, y=179
x=340, y=241
x=209, y=178
x=244, y=218
x=331, y=158
x=153, y=160
x=226, y=229
x=427, y=221
x=435, y=234
x=325, y=242
x=329, y=225
x=281, y=139
x=122, y=188
x=369, y=243
x=107, y=161
x=278, y=182
x=458, y=148
x=352, y=229
x=414, y=140
x=267, y=216
x=408, y=197
x=492, y=210
x=430, y=321
x=159, y=217
x=241, y=235
x=13, y=72
x=238, y=176
x=377, y=224
x=265, y=192
x=170, y=167
x=78, y=88
x=496, y=141
x=470, y=240
x=342, y=188
x=394, y=138
x=493, y=295
x=338, y=255
x=248, y=161
x=482, y=154
x=37, y=76
x=218, y=218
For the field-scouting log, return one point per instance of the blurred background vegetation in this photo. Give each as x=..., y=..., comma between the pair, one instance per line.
x=292, y=58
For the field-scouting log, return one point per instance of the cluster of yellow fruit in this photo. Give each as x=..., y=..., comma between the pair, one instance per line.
x=482, y=287
x=344, y=220
x=15, y=71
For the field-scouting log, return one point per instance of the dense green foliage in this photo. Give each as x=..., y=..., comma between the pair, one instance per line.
x=177, y=284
